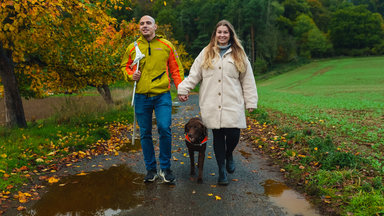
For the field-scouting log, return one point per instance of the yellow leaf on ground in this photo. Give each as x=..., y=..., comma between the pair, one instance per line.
x=4, y=155
x=20, y=208
x=210, y=194
x=209, y=157
x=82, y=174
x=218, y=198
x=39, y=160
x=52, y=180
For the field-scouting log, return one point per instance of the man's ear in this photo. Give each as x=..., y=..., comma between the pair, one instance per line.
x=155, y=27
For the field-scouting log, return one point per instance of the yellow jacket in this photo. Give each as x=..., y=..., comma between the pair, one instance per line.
x=161, y=60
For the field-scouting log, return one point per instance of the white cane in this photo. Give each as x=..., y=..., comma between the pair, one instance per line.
x=138, y=57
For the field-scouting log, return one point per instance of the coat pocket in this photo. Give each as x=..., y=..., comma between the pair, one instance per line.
x=230, y=69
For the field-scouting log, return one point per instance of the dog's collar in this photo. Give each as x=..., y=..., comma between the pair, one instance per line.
x=205, y=140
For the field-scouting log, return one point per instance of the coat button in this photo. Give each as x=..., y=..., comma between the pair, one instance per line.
x=220, y=68
x=219, y=80
x=219, y=107
x=219, y=93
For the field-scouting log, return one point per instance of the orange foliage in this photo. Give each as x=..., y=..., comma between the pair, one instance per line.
x=63, y=45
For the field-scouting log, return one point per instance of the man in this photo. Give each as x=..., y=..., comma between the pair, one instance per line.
x=153, y=94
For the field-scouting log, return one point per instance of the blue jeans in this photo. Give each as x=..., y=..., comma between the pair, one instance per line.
x=144, y=106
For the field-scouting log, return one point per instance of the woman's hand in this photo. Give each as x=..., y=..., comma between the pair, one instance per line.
x=183, y=98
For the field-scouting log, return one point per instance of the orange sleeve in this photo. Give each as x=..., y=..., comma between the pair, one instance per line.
x=175, y=67
x=126, y=64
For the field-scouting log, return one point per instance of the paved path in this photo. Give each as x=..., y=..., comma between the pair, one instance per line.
x=114, y=184
x=243, y=196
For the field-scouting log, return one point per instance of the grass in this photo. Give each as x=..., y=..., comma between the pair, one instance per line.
x=329, y=116
x=344, y=94
x=77, y=124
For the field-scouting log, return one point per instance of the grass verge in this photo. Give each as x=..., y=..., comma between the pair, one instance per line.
x=75, y=127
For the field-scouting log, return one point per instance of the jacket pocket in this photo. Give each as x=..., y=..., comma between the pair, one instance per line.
x=158, y=77
x=230, y=69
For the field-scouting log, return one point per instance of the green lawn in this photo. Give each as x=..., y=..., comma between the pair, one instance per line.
x=344, y=94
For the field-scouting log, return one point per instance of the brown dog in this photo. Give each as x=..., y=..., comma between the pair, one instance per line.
x=196, y=136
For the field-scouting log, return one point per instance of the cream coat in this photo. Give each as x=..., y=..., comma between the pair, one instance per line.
x=224, y=91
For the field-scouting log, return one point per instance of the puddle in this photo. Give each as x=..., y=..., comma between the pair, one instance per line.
x=294, y=203
x=129, y=147
x=99, y=193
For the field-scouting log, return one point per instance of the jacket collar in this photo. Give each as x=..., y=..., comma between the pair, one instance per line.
x=142, y=38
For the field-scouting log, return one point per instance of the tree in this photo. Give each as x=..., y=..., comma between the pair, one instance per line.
x=36, y=37
x=355, y=27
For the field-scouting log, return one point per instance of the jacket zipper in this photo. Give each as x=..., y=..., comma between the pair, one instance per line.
x=149, y=48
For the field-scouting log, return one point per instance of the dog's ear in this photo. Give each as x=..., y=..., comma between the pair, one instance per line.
x=186, y=127
x=205, y=131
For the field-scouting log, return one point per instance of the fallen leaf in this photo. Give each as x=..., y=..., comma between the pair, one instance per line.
x=175, y=159
x=218, y=198
x=39, y=160
x=210, y=194
x=82, y=174
x=209, y=157
x=52, y=180
x=212, y=174
x=20, y=208
x=235, y=180
x=213, y=186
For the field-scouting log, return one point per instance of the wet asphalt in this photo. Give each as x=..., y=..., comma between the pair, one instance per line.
x=243, y=196
x=114, y=185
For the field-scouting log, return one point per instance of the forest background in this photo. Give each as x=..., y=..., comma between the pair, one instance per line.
x=62, y=47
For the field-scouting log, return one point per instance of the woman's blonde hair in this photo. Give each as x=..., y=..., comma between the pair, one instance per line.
x=212, y=50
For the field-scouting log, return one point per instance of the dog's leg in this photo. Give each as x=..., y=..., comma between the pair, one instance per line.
x=192, y=161
x=201, y=165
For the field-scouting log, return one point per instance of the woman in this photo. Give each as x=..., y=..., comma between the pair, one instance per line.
x=227, y=88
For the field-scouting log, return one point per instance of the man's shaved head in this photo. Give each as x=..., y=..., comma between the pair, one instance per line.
x=148, y=27
x=147, y=16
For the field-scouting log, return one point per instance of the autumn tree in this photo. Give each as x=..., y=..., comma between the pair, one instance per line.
x=54, y=45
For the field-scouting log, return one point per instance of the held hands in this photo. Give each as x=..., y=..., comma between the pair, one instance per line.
x=183, y=98
x=136, y=76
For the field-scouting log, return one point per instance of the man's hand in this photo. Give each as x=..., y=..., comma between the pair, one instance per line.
x=136, y=76
x=250, y=110
x=183, y=98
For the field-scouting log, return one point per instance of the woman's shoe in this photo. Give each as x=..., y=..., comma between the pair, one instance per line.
x=230, y=165
x=223, y=180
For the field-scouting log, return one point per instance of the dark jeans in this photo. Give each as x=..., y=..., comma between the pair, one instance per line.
x=144, y=107
x=225, y=141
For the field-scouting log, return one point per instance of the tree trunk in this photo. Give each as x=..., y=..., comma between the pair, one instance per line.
x=253, y=44
x=14, y=111
x=106, y=93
